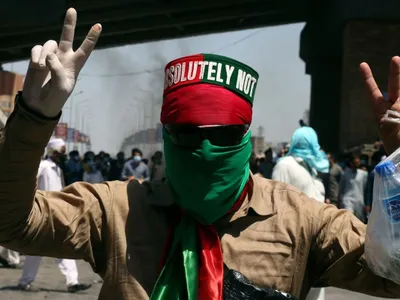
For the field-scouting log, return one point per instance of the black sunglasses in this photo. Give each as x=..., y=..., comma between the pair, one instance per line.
x=191, y=136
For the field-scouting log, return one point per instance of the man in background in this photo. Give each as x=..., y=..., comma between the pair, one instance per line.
x=335, y=172
x=117, y=165
x=157, y=166
x=267, y=164
x=50, y=178
x=74, y=168
x=135, y=168
x=352, y=187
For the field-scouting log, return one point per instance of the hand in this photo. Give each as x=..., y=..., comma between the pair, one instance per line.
x=53, y=69
x=389, y=132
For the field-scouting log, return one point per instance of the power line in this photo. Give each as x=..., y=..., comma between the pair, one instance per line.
x=162, y=69
x=238, y=41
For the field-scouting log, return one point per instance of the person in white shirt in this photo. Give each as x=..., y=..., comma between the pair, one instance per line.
x=300, y=168
x=50, y=178
x=9, y=259
x=352, y=187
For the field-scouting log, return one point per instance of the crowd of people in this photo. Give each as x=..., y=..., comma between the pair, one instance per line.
x=97, y=168
x=346, y=179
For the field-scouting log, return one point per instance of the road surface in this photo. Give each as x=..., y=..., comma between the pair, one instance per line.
x=52, y=285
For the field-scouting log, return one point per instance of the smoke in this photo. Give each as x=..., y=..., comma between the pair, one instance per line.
x=146, y=87
x=157, y=78
x=119, y=62
x=119, y=90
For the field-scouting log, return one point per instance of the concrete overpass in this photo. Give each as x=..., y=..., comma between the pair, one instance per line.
x=135, y=21
x=337, y=36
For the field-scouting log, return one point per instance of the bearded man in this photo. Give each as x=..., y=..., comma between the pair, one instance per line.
x=177, y=239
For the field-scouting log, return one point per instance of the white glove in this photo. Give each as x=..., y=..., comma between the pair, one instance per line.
x=53, y=69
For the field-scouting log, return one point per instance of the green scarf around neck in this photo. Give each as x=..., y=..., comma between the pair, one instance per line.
x=205, y=182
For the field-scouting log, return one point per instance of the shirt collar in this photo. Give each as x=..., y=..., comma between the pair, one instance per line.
x=259, y=199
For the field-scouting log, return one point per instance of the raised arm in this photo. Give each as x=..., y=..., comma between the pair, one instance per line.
x=63, y=224
x=337, y=256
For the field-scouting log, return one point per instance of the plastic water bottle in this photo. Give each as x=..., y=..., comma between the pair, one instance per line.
x=389, y=193
x=382, y=246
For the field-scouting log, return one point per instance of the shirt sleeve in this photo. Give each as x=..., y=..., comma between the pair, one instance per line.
x=64, y=224
x=337, y=255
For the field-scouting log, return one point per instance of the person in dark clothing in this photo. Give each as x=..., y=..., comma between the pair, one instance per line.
x=74, y=168
x=332, y=182
x=267, y=165
x=254, y=167
x=116, y=166
x=157, y=168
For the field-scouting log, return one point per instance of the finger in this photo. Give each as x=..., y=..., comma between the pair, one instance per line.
x=394, y=80
x=86, y=48
x=56, y=69
x=49, y=47
x=35, y=75
x=68, y=31
x=35, y=55
x=370, y=84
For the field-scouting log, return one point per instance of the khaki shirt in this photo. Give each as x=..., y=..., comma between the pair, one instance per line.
x=279, y=238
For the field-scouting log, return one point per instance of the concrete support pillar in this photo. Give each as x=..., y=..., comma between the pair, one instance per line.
x=320, y=48
x=332, y=46
x=325, y=105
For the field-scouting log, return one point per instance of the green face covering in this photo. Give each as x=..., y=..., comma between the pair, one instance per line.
x=207, y=181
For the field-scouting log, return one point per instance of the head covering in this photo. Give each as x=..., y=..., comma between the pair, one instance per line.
x=304, y=144
x=206, y=183
x=55, y=144
x=207, y=89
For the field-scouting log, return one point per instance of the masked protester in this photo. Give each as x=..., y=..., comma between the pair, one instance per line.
x=135, y=168
x=177, y=240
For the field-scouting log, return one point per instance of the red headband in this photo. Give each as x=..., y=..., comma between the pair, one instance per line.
x=205, y=104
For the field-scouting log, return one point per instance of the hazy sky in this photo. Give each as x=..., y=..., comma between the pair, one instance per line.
x=114, y=101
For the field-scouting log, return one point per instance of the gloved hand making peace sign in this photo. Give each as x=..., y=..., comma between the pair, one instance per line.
x=54, y=68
